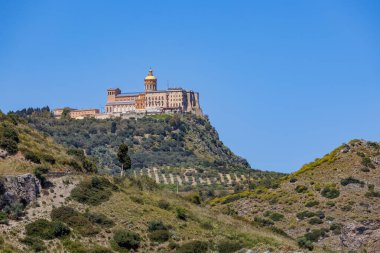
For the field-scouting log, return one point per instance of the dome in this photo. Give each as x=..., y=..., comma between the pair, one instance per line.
x=150, y=76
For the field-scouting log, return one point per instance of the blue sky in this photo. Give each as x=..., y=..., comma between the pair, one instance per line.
x=283, y=82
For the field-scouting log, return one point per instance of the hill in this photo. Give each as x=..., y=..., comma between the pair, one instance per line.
x=80, y=212
x=160, y=140
x=331, y=203
x=104, y=214
x=182, y=151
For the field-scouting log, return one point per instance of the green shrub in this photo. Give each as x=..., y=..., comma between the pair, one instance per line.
x=273, y=215
x=315, y=220
x=351, y=180
x=173, y=245
x=15, y=210
x=336, y=228
x=30, y=156
x=33, y=243
x=89, y=165
x=194, y=198
x=312, y=203
x=3, y=218
x=8, y=131
x=74, y=219
x=366, y=161
x=127, y=239
x=182, y=213
x=361, y=154
x=9, y=138
x=229, y=246
x=315, y=234
x=9, y=145
x=100, y=219
x=372, y=194
x=305, y=214
x=193, y=247
x=60, y=229
x=94, y=191
x=63, y=213
x=156, y=225
x=46, y=230
x=263, y=222
x=374, y=145
x=330, y=192
x=305, y=243
x=159, y=235
x=163, y=204
x=301, y=188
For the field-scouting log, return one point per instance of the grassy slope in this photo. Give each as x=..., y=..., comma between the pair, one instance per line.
x=350, y=206
x=34, y=141
x=129, y=214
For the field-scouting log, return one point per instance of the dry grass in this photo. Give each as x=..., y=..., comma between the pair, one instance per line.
x=33, y=141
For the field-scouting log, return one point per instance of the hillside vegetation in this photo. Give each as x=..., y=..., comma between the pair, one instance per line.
x=104, y=214
x=333, y=202
x=161, y=140
x=23, y=149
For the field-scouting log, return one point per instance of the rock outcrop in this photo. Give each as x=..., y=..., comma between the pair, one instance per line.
x=23, y=188
x=356, y=236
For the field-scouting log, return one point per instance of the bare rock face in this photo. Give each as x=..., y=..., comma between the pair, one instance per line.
x=357, y=235
x=3, y=153
x=23, y=188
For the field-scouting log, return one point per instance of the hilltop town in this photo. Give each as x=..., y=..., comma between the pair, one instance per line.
x=137, y=104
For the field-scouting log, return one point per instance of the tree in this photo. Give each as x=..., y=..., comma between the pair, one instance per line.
x=124, y=158
x=113, y=127
x=66, y=113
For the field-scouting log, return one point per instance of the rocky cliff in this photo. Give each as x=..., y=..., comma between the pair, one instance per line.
x=23, y=188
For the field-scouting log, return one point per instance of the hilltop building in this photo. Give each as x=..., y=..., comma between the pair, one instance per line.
x=77, y=114
x=149, y=101
x=152, y=100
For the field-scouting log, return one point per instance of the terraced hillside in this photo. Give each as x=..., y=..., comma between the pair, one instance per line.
x=154, y=141
x=332, y=203
x=190, y=179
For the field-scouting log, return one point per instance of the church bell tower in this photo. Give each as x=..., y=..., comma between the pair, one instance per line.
x=150, y=82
